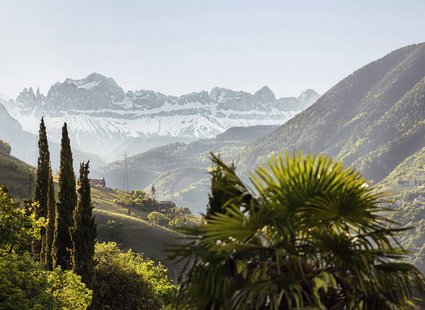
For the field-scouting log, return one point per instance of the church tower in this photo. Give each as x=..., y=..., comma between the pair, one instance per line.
x=153, y=193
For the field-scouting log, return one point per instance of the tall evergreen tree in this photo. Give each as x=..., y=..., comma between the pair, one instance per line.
x=67, y=199
x=50, y=231
x=84, y=233
x=42, y=183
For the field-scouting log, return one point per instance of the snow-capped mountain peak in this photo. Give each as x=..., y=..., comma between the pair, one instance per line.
x=101, y=116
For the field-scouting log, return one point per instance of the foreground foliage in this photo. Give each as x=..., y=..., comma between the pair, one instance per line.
x=25, y=283
x=310, y=235
x=18, y=230
x=125, y=280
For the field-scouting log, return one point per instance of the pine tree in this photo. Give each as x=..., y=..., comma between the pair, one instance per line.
x=50, y=231
x=84, y=233
x=42, y=184
x=67, y=199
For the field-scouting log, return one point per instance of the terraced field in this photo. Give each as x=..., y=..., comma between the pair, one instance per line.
x=135, y=233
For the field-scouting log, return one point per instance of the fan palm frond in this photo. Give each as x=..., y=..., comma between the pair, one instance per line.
x=310, y=233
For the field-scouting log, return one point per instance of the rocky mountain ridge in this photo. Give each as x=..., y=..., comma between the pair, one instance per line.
x=103, y=118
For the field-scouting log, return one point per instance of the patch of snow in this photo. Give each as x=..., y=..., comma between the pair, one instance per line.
x=89, y=85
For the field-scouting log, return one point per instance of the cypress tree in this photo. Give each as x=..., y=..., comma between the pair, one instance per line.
x=84, y=231
x=67, y=199
x=42, y=184
x=50, y=231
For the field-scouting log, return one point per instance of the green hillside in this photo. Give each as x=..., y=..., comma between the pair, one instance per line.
x=411, y=169
x=16, y=175
x=140, y=236
x=133, y=232
x=372, y=119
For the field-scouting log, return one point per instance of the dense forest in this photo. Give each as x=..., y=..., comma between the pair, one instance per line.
x=372, y=119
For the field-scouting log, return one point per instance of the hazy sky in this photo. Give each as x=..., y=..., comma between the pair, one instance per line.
x=182, y=46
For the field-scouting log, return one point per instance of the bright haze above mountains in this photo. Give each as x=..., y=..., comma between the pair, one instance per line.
x=180, y=46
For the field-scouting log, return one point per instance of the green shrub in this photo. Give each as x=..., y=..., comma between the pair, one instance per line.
x=24, y=284
x=68, y=289
x=113, y=230
x=184, y=221
x=17, y=228
x=158, y=218
x=128, y=281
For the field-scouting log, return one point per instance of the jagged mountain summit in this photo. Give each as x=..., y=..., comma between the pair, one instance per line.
x=104, y=119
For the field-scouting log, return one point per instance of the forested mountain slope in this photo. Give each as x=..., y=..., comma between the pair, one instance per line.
x=411, y=169
x=373, y=119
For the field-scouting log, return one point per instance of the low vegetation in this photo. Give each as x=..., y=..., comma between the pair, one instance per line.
x=24, y=282
x=125, y=280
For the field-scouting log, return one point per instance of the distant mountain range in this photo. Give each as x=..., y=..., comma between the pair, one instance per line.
x=374, y=119
x=105, y=120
